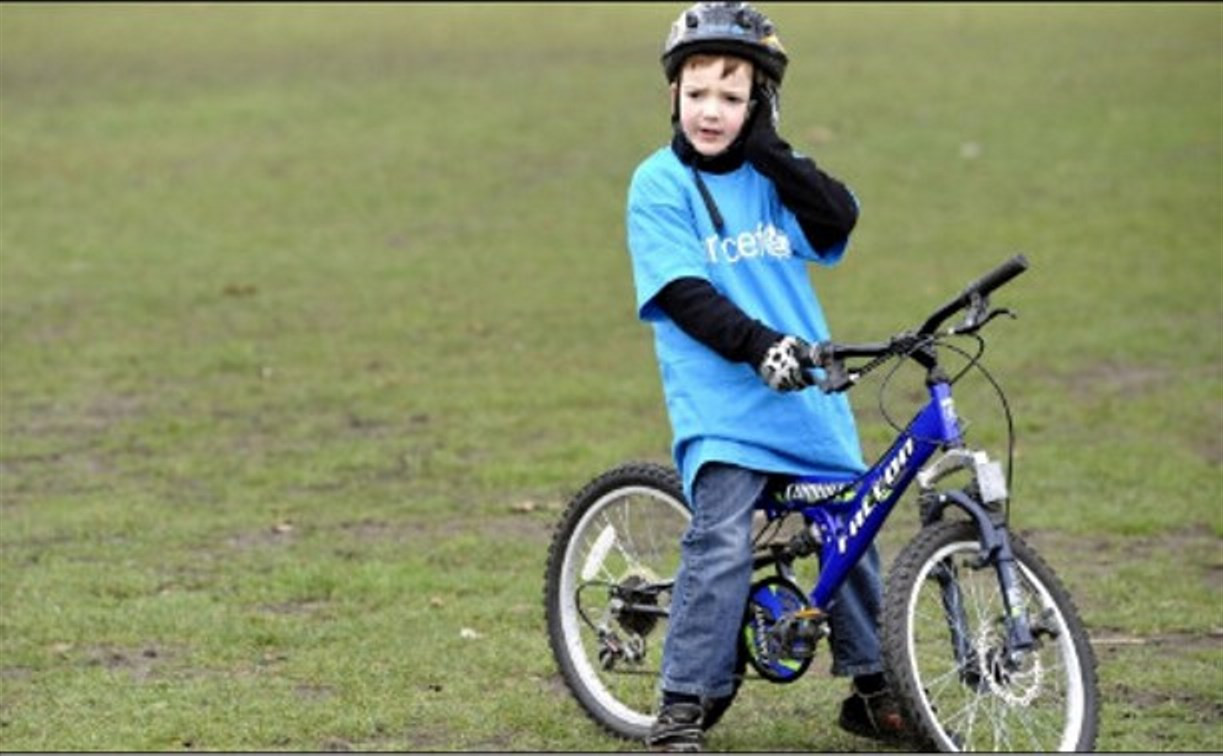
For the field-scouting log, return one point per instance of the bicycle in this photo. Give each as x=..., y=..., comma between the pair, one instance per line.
x=982, y=644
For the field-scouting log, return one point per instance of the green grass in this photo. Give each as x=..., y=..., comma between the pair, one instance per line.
x=297, y=304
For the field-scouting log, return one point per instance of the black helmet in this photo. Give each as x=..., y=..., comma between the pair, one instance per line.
x=725, y=29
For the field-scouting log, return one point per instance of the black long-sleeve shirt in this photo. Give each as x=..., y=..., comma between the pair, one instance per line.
x=826, y=213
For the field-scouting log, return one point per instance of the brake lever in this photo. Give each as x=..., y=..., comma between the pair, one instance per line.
x=836, y=378
x=972, y=324
x=978, y=311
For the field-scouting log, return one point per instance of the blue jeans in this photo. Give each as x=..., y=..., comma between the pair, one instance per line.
x=715, y=577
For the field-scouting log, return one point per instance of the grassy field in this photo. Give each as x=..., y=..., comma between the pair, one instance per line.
x=312, y=317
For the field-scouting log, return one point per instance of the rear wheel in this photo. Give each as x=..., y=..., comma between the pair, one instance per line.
x=950, y=675
x=619, y=537
x=607, y=590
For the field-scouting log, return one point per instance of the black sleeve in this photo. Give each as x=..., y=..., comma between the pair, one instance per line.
x=709, y=317
x=825, y=208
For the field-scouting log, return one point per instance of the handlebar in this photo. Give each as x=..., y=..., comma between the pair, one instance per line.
x=978, y=289
x=830, y=356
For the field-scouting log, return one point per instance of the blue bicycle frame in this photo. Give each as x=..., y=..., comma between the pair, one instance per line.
x=845, y=526
x=845, y=529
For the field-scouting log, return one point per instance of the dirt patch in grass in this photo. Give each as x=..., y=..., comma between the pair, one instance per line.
x=1110, y=378
x=16, y=673
x=536, y=525
x=1115, y=378
x=142, y=663
x=312, y=692
x=1099, y=555
x=279, y=534
x=1184, y=642
x=428, y=739
x=1126, y=379
x=351, y=539
x=369, y=529
x=1131, y=699
x=295, y=608
x=90, y=418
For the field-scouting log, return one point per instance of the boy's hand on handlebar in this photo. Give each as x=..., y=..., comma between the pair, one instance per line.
x=785, y=365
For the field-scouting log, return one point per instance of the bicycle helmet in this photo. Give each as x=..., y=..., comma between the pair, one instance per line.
x=725, y=29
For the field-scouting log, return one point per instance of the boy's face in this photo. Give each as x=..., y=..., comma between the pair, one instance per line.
x=713, y=102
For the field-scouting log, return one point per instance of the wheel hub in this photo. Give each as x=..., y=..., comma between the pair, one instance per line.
x=1017, y=684
x=636, y=622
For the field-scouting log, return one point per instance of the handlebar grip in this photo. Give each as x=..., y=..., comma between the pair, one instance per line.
x=998, y=276
x=981, y=287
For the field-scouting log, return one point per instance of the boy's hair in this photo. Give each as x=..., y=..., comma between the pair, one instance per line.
x=730, y=63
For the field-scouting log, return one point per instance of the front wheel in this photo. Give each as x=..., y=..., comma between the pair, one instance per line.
x=942, y=634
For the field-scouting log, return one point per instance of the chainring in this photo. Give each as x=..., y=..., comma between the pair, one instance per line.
x=773, y=603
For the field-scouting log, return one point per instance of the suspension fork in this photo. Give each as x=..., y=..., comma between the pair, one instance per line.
x=953, y=611
x=995, y=551
x=1018, y=624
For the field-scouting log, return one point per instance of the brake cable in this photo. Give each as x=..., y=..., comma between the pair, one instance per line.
x=975, y=362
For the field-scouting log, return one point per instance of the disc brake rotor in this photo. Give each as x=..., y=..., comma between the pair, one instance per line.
x=1017, y=687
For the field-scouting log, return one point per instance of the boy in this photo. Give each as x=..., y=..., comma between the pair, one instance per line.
x=721, y=224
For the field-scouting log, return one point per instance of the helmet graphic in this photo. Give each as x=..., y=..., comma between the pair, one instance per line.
x=725, y=29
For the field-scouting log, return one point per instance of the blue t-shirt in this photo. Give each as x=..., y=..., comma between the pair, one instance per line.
x=722, y=411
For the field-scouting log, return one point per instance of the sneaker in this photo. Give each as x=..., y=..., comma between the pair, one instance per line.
x=873, y=715
x=678, y=729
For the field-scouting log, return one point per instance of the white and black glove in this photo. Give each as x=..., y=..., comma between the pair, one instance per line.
x=786, y=363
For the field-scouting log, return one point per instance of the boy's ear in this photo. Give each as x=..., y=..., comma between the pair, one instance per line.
x=673, y=96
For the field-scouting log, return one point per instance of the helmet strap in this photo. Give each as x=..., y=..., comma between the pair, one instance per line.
x=679, y=75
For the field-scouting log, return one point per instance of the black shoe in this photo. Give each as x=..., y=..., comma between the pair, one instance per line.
x=678, y=729
x=873, y=715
